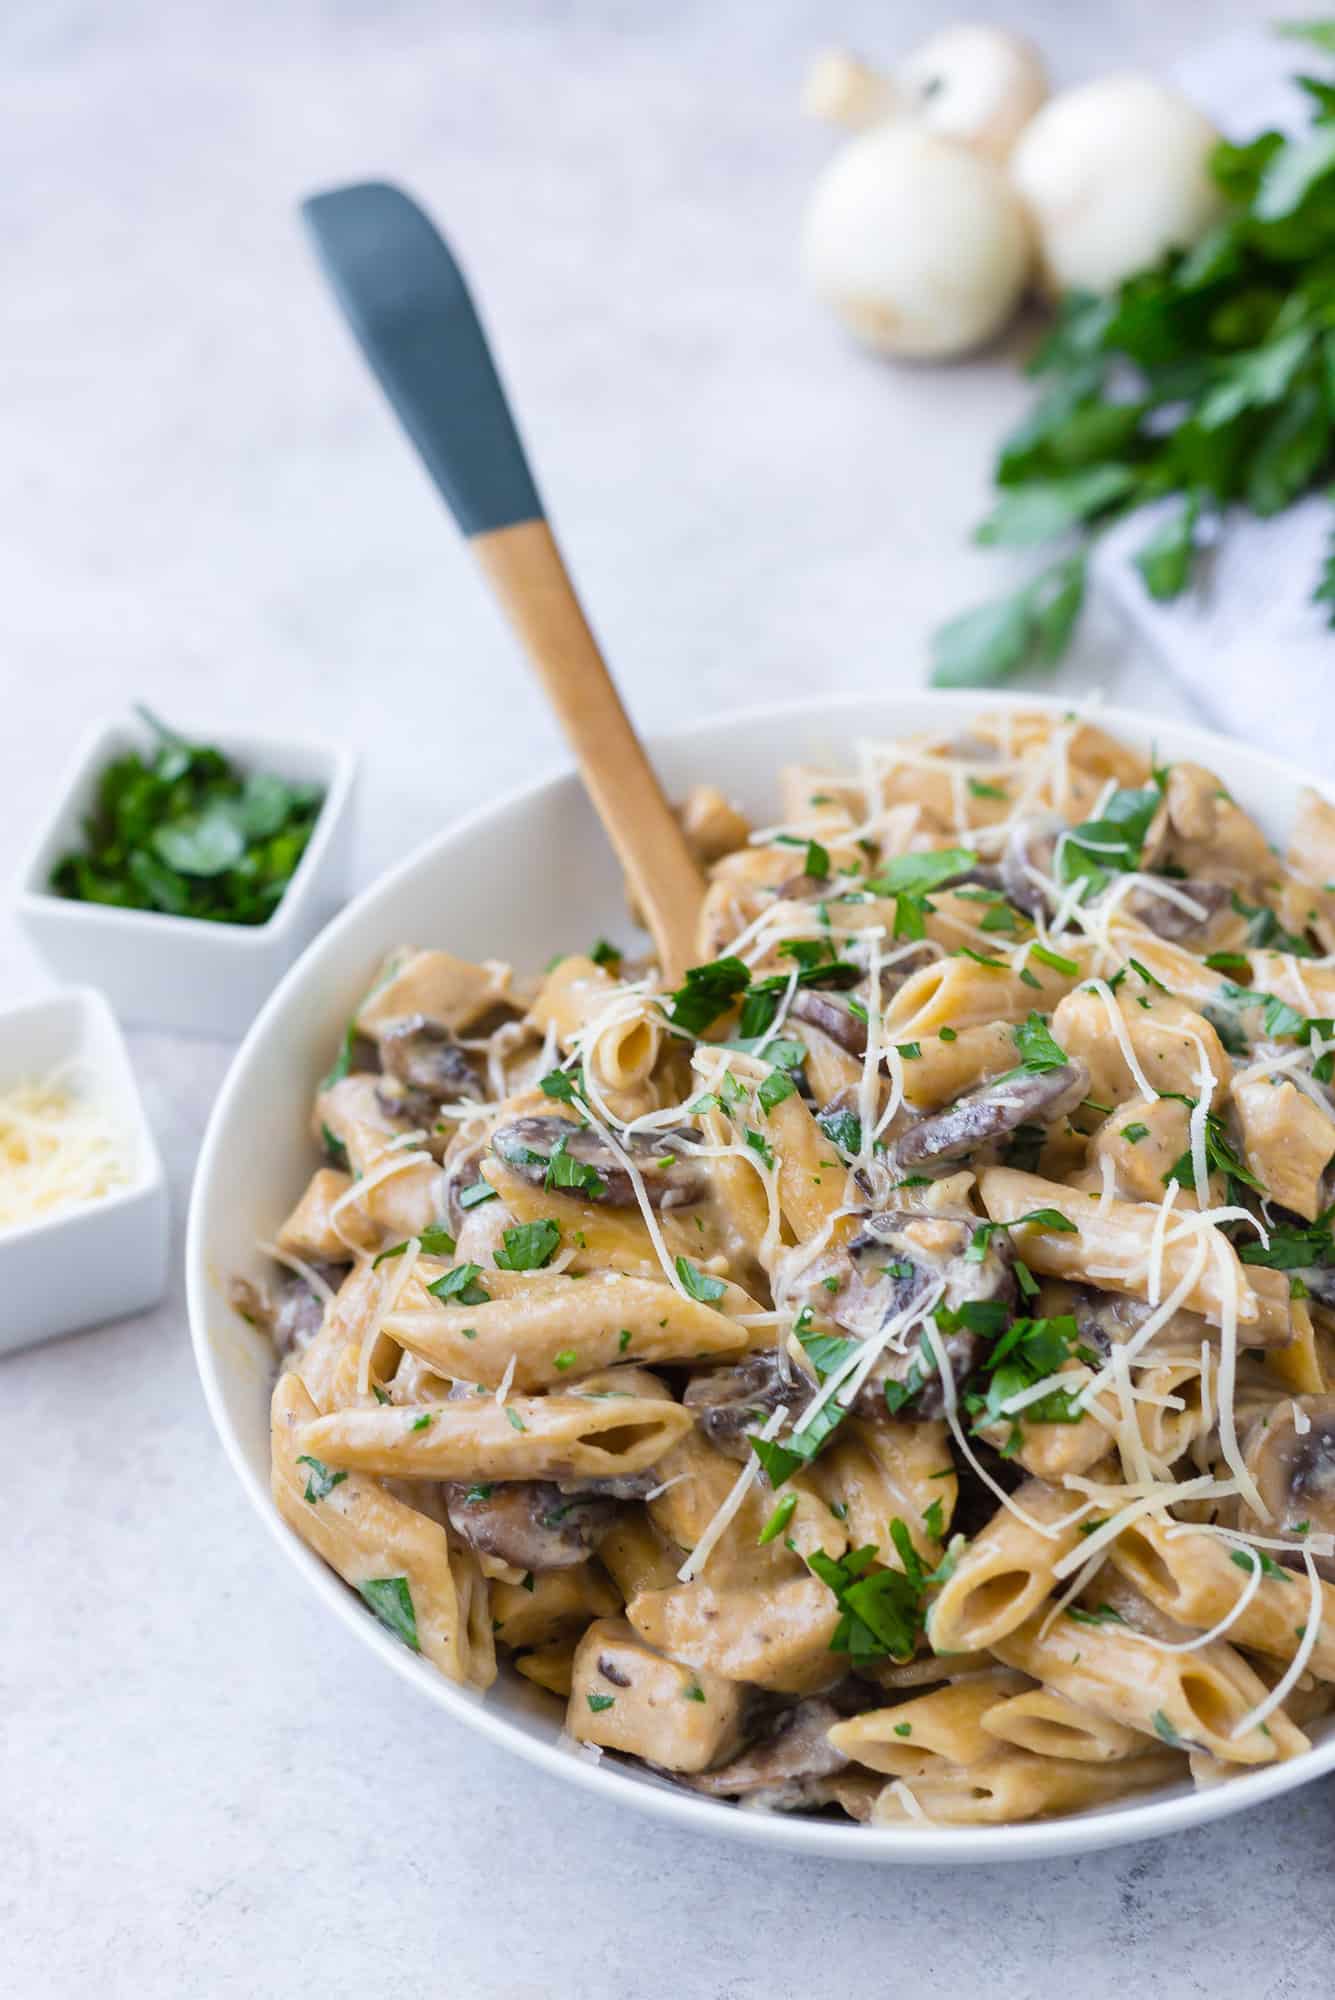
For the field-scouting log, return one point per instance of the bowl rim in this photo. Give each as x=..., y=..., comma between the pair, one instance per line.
x=912, y=1844
x=36, y=903
x=89, y=1003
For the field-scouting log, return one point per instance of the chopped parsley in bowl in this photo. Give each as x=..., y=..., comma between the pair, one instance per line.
x=179, y=830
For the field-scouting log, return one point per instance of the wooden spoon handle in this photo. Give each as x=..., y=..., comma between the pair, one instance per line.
x=408, y=305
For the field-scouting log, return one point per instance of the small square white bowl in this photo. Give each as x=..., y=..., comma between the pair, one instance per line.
x=102, y=1259
x=178, y=972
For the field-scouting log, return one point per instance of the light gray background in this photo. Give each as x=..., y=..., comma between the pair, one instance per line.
x=207, y=1789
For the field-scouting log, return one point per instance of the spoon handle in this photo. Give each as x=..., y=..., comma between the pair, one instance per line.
x=405, y=299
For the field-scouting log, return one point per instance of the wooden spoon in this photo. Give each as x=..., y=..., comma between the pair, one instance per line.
x=406, y=301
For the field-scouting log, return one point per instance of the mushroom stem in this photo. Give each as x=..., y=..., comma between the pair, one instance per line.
x=841, y=89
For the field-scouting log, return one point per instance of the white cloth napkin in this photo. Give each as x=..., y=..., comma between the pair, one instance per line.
x=1247, y=645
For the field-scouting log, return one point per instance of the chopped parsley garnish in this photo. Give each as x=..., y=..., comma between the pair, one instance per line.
x=949, y=1035
x=909, y=1050
x=1135, y=1132
x=843, y=1128
x=1219, y=1158
x=598, y=1702
x=624, y=1339
x=559, y=1083
x=774, y=1089
x=1090, y=853
x=933, y=1520
x=1295, y=1248
x=1054, y=960
x=1028, y=1352
x=694, y=1692
x=1248, y=1559
x=391, y=1601
x=474, y=1196
x=564, y=1171
x=1039, y=1053
x=1265, y=932
x=320, y=1481
x=1166, y=1733
x=565, y=1359
x=476, y=1494
x=528, y=1246
x=709, y=991
x=460, y=1284
x=421, y=1423
x=435, y=1242
x=1104, y=1615
x=778, y=1520
x=697, y=1285
x=980, y=790
x=917, y=874
x=513, y=1418
x=603, y=953
x=759, y=1145
x=881, y=1611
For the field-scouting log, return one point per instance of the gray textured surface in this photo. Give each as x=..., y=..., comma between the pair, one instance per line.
x=207, y=1789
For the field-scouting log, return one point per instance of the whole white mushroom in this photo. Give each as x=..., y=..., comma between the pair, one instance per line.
x=1114, y=174
x=921, y=246
x=975, y=84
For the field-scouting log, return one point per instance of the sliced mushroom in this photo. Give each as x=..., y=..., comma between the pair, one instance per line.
x=628, y=1486
x=290, y=1313
x=787, y=1770
x=833, y=1017
x=1168, y=918
x=896, y=1261
x=730, y=1402
x=671, y=1181
x=529, y=1523
x=1319, y=1280
x=1295, y=1470
x=1028, y=852
x=980, y=1116
x=424, y=1055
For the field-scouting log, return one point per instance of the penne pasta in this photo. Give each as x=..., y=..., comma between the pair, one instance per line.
x=891, y=1370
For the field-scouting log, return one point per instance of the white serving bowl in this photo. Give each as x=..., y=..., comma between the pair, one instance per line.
x=520, y=880
x=179, y=972
x=100, y=1259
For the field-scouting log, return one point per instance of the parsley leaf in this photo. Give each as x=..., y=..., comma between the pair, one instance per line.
x=320, y=1482
x=1039, y=1053
x=709, y=991
x=391, y=1601
x=528, y=1246
x=697, y=1284
x=460, y=1284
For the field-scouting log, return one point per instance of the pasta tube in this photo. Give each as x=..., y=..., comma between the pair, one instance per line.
x=1196, y=1579
x=1015, y=1785
x=530, y=1437
x=556, y=1328
x=1052, y=1725
x=1006, y=1572
x=943, y=1726
x=1113, y=1245
x=1185, y=1699
x=399, y=1560
x=614, y=1028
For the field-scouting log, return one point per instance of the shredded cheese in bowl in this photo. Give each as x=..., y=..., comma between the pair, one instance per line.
x=58, y=1150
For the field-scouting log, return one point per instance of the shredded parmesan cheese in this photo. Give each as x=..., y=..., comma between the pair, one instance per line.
x=59, y=1150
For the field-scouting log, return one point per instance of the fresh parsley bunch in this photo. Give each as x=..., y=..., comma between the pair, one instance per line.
x=1208, y=380
x=180, y=831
